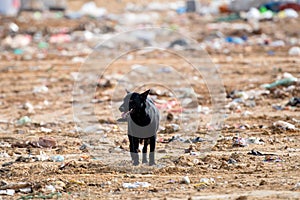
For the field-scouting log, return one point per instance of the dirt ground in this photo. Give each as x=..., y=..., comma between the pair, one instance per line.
x=228, y=171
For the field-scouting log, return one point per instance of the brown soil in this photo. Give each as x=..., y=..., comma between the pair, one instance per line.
x=82, y=176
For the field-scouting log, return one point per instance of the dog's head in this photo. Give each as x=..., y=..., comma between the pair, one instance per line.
x=133, y=102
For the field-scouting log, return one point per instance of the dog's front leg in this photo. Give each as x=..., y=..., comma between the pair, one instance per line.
x=152, y=150
x=146, y=142
x=134, y=146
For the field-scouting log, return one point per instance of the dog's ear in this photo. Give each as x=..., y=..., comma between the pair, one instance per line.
x=127, y=91
x=144, y=94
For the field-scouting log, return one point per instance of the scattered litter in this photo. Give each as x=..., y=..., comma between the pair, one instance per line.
x=24, y=120
x=25, y=190
x=186, y=180
x=42, y=157
x=255, y=140
x=239, y=142
x=284, y=125
x=29, y=107
x=136, y=185
x=207, y=181
x=7, y=192
x=296, y=120
x=50, y=188
x=4, y=155
x=272, y=158
x=255, y=153
x=297, y=186
x=91, y=9
x=294, y=51
x=288, y=13
x=60, y=38
x=18, y=41
x=170, y=128
x=40, y=89
x=57, y=158
x=283, y=82
x=198, y=139
x=294, y=101
x=46, y=130
x=231, y=161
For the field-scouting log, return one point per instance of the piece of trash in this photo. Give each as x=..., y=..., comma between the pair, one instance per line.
x=25, y=190
x=46, y=130
x=247, y=113
x=288, y=13
x=136, y=185
x=294, y=51
x=207, y=181
x=170, y=128
x=277, y=43
x=43, y=45
x=272, y=158
x=284, y=125
x=4, y=155
x=60, y=38
x=42, y=157
x=231, y=161
x=8, y=192
x=91, y=9
x=296, y=120
x=255, y=140
x=29, y=107
x=7, y=164
x=234, y=40
x=239, y=142
x=18, y=41
x=255, y=153
x=283, y=82
x=186, y=180
x=23, y=120
x=277, y=107
x=178, y=42
x=50, y=188
x=57, y=158
x=294, y=101
x=40, y=89
x=83, y=147
x=297, y=186
x=198, y=139
x=18, y=51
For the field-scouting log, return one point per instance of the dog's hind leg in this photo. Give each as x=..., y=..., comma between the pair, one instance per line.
x=134, y=146
x=146, y=142
x=152, y=150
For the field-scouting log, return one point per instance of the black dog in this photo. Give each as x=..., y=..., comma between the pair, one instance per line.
x=143, y=121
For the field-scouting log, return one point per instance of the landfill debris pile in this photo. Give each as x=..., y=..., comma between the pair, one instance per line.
x=255, y=47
